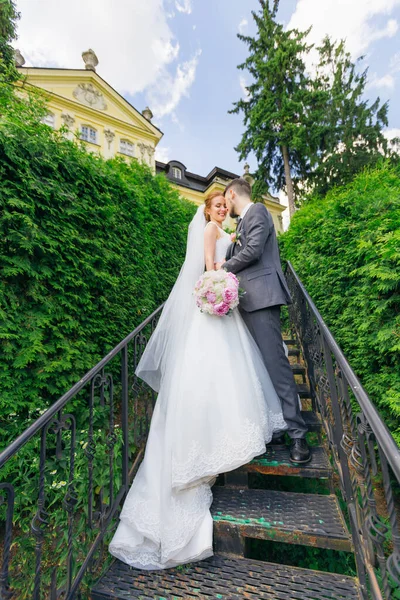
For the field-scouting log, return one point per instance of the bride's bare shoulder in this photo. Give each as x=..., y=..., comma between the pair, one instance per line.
x=211, y=230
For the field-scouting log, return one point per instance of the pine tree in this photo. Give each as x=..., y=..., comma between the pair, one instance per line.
x=351, y=130
x=283, y=110
x=308, y=131
x=8, y=25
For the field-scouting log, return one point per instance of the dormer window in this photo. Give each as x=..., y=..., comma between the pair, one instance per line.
x=50, y=120
x=177, y=172
x=88, y=134
x=127, y=148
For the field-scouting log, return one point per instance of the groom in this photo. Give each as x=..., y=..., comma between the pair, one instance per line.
x=254, y=257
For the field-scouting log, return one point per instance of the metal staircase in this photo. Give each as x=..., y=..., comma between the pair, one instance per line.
x=240, y=513
x=94, y=435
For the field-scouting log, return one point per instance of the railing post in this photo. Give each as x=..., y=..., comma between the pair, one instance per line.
x=338, y=425
x=353, y=443
x=124, y=417
x=338, y=432
x=54, y=419
x=307, y=325
x=7, y=489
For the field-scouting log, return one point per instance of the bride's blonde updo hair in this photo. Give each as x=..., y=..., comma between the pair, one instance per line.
x=208, y=202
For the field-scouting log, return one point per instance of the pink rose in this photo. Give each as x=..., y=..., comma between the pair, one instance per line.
x=233, y=277
x=211, y=297
x=233, y=237
x=221, y=309
x=229, y=295
x=232, y=285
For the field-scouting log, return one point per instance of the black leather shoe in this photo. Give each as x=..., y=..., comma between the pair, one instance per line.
x=299, y=451
x=277, y=441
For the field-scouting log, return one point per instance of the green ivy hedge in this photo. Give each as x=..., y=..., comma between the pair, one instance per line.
x=346, y=249
x=88, y=248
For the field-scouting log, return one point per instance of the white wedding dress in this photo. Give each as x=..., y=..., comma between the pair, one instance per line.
x=215, y=411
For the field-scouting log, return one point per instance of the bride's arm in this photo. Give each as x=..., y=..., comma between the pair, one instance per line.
x=210, y=240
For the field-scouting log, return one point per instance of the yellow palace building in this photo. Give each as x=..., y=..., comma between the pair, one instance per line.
x=83, y=102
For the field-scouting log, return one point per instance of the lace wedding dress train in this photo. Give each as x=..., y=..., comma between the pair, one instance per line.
x=216, y=409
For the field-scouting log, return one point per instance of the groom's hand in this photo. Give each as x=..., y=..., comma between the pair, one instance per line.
x=218, y=266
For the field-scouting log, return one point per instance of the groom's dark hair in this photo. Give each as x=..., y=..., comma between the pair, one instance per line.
x=240, y=186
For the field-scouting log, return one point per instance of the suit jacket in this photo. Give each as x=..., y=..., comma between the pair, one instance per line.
x=256, y=262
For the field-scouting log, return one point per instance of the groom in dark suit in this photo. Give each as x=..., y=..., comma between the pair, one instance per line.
x=254, y=257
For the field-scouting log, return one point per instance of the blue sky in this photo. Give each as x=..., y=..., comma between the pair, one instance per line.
x=180, y=57
x=206, y=134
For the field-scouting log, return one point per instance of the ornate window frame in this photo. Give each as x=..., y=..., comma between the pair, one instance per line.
x=49, y=119
x=89, y=134
x=127, y=148
x=176, y=173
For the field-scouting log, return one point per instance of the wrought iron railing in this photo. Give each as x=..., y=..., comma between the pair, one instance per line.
x=365, y=454
x=92, y=438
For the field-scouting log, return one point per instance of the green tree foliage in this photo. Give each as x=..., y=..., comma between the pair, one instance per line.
x=8, y=25
x=88, y=248
x=351, y=128
x=307, y=131
x=280, y=112
x=346, y=249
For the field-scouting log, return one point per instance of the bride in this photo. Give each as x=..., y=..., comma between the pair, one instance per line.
x=216, y=410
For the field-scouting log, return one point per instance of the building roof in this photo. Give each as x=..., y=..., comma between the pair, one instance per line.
x=88, y=74
x=193, y=180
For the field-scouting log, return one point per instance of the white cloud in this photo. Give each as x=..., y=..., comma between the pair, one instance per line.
x=393, y=133
x=162, y=154
x=283, y=199
x=175, y=119
x=389, y=31
x=243, y=25
x=184, y=6
x=387, y=81
x=133, y=41
x=341, y=19
x=168, y=90
x=245, y=92
x=395, y=63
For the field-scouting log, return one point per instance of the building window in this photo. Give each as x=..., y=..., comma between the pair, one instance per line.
x=88, y=134
x=127, y=148
x=177, y=172
x=50, y=120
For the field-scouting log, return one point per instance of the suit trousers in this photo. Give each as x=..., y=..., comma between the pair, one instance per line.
x=265, y=327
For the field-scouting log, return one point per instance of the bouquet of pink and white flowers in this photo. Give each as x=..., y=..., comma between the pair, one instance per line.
x=217, y=292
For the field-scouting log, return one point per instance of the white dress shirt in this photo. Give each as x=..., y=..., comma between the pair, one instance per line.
x=244, y=211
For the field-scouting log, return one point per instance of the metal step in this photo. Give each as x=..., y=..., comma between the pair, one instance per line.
x=294, y=352
x=290, y=341
x=308, y=519
x=275, y=461
x=303, y=390
x=229, y=579
x=298, y=369
x=312, y=420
